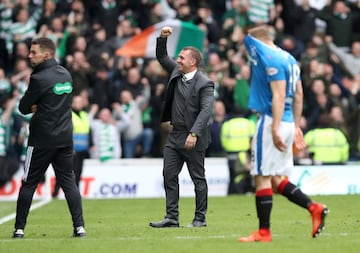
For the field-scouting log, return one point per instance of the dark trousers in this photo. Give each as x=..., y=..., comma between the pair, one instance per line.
x=36, y=163
x=79, y=158
x=232, y=173
x=174, y=160
x=78, y=162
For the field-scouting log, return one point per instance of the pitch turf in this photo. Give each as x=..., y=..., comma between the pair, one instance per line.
x=121, y=225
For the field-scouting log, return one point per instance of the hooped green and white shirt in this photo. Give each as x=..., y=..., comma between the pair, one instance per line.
x=2, y=138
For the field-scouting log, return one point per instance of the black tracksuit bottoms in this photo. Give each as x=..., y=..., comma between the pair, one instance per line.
x=36, y=163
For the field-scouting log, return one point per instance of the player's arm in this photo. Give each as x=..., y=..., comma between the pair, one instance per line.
x=278, y=89
x=297, y=110
x=298, y=103
x=28, y=103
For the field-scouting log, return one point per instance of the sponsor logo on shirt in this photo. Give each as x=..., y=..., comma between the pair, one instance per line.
x=62, y=88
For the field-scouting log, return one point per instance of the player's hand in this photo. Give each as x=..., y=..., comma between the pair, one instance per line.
x=278, y=142
x=166, y=31
x=299, y=142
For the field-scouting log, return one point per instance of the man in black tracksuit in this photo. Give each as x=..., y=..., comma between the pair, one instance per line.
x=50, y=140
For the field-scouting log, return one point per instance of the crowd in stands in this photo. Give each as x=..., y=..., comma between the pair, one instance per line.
x=324, y=36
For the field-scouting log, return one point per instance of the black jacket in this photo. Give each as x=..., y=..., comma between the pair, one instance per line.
x=50, y=89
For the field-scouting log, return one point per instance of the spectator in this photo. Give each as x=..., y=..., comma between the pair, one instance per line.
x=106, y=133
x=237, y=15
x=4, y=55
x=352, y=113
x=106, y=12
x=350, y=60
x=81, y=71
x=328, y=144
x=242, y=90
x=235, y=135
x=156, y=13
x=337, y=120
x=8, y=164
x=317, y=103
x=339, y=21
x=204, y=15
x=5, y=86
x=155, y=74
x=262, y=11
x=54, y=31
x=98, y=50
x=184, y=12
x=103, y=90
x=215, y=148
x=21, y=51
x=213, y=76
x=48, y=13
x=156, y=102
x=80, y=44
x=135, y=82
x=219, y=7
x=314, y=51
x=121, y=69
x=30, y=5
x=294, y=47
x=77, y=21
x=6, y=40
x=136, y=136
x=299, y=19
x=20, y=81
x=63, y=7
x=24, y=26
x=124, y=31
x=157, y=78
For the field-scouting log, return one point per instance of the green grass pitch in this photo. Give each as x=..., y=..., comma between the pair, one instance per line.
x=122, y=225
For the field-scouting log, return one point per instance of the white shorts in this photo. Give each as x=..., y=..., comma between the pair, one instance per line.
x=266, y=159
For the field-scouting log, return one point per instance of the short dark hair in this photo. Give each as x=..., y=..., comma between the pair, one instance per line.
x=195, y=53
x=45, y=44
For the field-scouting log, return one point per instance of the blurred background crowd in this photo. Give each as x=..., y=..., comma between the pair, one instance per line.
x=123, y=95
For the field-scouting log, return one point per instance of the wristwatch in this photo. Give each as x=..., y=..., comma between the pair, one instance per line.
x=193, y=134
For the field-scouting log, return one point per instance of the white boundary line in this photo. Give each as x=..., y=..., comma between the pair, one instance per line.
x=180, y=238
x=46, y=200
x=33, y=207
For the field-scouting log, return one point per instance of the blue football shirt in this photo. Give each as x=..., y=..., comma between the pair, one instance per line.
x=270, y=64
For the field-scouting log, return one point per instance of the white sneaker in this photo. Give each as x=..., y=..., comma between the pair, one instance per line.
x=18, y=233
x=79, y=232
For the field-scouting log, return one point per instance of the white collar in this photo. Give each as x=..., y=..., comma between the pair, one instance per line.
x=190, y=75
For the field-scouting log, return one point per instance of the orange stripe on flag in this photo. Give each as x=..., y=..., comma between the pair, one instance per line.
x=136, y=46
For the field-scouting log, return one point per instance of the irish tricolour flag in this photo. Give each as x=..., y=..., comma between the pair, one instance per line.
x=143, y=44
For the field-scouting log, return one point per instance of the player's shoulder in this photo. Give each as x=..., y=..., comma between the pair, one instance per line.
x=285, y=55
x=280, y=56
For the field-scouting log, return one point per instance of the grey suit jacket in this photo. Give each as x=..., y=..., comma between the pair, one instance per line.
x=199, y=102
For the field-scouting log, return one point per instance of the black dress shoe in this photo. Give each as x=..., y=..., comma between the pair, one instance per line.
x=165, y=223
x=196, y=224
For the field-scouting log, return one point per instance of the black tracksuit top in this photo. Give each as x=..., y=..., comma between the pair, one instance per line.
x=50, y=89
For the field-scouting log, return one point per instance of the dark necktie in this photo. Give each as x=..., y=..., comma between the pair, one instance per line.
x=183, y=79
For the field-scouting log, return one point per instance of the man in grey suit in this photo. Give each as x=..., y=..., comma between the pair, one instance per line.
x=188, y=106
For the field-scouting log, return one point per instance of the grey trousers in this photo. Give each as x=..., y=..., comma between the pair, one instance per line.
x=174, y=159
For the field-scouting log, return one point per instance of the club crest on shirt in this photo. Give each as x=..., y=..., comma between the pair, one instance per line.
x=272, y=71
